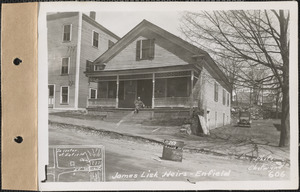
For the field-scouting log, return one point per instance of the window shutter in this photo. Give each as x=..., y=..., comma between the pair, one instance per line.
x=216, y=92
x=138, y=50
x=151, y=49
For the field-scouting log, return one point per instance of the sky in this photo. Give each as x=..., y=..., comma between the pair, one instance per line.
x=121, y=23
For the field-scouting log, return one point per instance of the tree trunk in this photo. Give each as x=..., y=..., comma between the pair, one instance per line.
x=285, y=122
x=277, y=105
x=285, y=116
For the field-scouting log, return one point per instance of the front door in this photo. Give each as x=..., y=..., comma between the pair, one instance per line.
x=144, y=91
x=127, y=94
x=50, y=96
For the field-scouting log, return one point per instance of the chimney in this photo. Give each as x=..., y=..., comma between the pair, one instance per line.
x=93, y=15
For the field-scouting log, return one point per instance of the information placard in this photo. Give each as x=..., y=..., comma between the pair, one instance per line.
x=72, y=163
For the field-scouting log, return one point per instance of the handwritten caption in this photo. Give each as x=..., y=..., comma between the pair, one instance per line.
x=156, y=174
x=267, y=163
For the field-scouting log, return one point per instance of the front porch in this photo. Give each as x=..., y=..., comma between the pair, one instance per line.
x=170, y=102
x=171, y=89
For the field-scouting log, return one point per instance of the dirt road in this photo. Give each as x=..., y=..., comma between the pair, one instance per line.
x=135, y=160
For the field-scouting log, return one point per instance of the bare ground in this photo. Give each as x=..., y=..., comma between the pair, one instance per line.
x=127, y=155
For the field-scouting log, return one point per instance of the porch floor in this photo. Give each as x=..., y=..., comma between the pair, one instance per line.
x=132, y=109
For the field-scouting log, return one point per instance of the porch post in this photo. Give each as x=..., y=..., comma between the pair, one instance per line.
x=192, y=81
x=191, y=89
x=153, y=90
x=117, y=94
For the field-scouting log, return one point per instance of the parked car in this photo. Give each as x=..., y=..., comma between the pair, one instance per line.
x=244, y=119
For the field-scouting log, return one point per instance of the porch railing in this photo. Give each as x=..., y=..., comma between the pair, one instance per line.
x=173, y=102
x=102, y=102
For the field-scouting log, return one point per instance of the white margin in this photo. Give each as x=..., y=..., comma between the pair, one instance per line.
x=45, y=7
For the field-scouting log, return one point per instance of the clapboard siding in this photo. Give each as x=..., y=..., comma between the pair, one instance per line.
x=57, y=49
x=216, y=108
x=126, y=59
x=88, y=52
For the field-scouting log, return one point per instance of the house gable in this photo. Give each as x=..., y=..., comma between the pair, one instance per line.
x=126, y=58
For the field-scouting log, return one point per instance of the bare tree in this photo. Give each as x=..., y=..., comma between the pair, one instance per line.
x=253, y=38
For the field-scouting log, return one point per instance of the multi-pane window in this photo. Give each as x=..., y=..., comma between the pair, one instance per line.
x=93, y=94
x=216, y=91
x=145, y=49
x=64, y=95
x=224, y=97
x=67, y=33
x=95, y=39
x=65, y=66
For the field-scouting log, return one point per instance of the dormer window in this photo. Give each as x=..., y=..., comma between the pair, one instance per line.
x=145, y=49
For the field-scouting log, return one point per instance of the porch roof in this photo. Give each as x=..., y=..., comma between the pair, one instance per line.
x=178, y=68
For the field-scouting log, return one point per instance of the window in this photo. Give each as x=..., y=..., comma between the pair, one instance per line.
x=93, y=93
x=65, y=65
x=64, y=99
x=107, y=89
x=102, y=89
x=216, y=92
x=112, y=89
x=145, y=49
x=67, y=33
x=51, y=90
x=88, y=65
x=224, y=97
x=110, y=43
x=177, y=87
x=228, y=96
x=95, y=39
x=98, y=67
x=160, y=88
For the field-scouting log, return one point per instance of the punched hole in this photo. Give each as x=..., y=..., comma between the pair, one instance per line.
x=18, y=139
x=17, y=61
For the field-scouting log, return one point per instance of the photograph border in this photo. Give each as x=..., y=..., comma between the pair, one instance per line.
x=161, y=6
